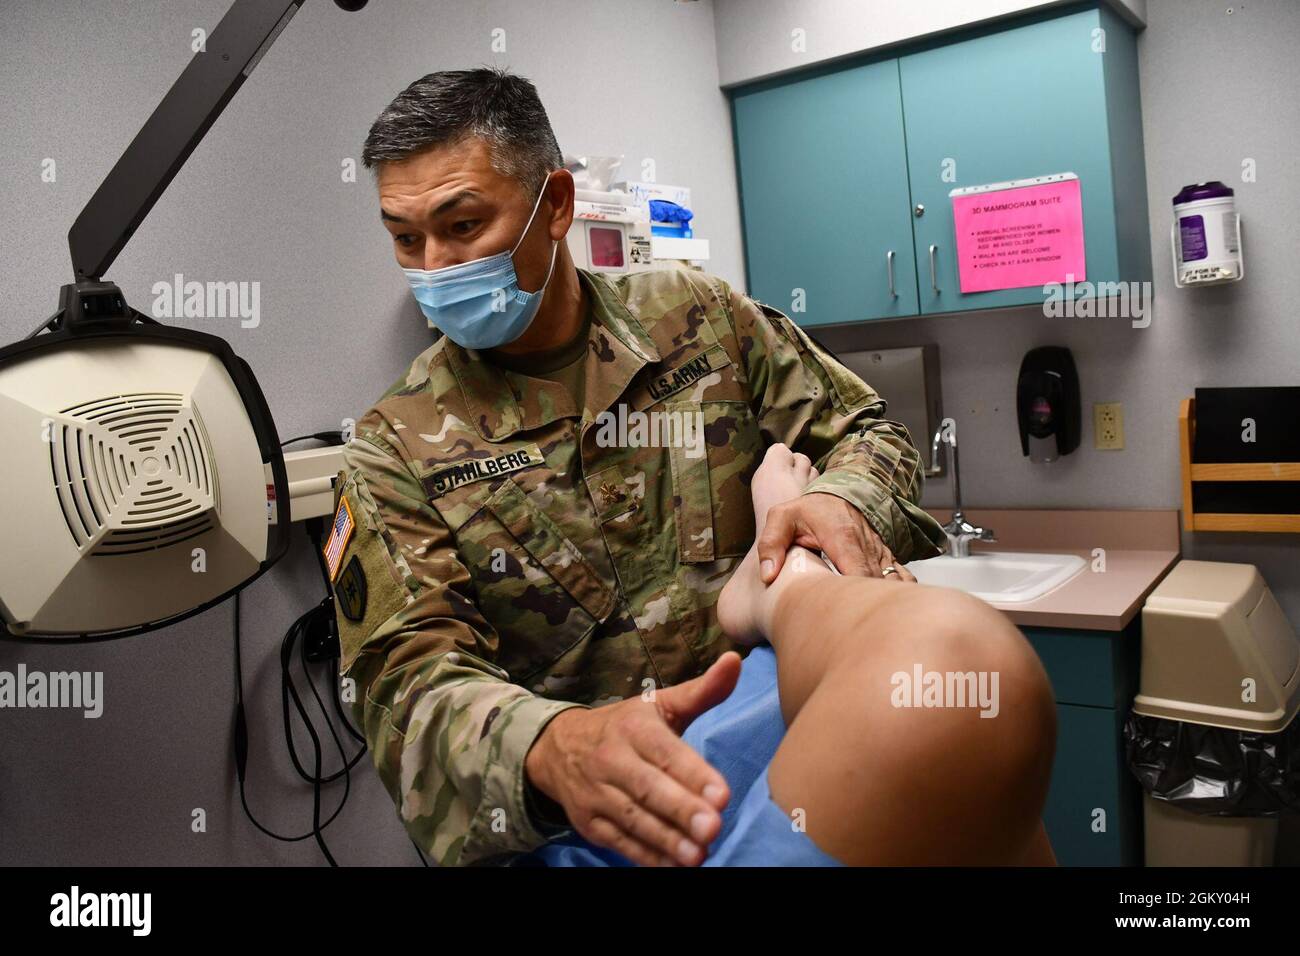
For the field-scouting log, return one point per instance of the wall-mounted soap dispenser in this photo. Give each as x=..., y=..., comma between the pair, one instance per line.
x=1047, y=403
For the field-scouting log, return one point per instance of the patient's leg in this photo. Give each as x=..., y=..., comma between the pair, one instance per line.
x=879, y=783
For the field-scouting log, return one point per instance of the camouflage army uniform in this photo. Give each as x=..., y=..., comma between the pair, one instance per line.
x=505, y=566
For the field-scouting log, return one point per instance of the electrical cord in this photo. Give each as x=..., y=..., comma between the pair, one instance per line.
x=241, y=758
x=315, y=779
x=288, y=690
x=314, y=632
x=320, y=621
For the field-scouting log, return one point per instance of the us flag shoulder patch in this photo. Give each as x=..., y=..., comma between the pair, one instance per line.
x=339, y=536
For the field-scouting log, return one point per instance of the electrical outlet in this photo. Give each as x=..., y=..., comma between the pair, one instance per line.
x=1108, y=426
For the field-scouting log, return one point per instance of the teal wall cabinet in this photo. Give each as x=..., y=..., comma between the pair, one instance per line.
x=838, y=167
x=824, y=166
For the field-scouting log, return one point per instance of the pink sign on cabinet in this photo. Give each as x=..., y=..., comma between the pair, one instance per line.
x=1023, y=233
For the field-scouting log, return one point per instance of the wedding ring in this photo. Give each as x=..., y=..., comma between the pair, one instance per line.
x=886, y=572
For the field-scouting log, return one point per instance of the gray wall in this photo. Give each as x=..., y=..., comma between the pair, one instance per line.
x=262, y=199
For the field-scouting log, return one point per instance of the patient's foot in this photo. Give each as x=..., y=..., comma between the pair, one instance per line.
x=782, y=476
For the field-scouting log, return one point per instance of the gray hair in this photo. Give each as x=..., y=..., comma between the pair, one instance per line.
x=446, y=107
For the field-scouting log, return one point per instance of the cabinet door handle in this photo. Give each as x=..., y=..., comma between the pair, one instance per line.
x=933, y=284
x=889, y=260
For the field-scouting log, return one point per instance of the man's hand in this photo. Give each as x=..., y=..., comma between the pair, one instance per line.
x=826, y=523
x=625, y=778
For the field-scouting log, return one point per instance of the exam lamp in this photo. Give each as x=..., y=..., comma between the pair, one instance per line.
x=142, y=479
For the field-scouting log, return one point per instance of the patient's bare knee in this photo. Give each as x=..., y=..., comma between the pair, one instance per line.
x=947, y=650
x=942, y=724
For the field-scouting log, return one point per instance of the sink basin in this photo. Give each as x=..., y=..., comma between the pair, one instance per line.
x=999, y=577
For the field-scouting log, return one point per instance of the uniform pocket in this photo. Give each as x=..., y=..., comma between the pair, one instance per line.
x=714, y=509
x=531, y=583
x=542, y=538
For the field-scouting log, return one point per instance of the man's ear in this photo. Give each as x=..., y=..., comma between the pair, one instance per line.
x=560, y=192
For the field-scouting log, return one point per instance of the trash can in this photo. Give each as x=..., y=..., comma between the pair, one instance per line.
x=1211, y=738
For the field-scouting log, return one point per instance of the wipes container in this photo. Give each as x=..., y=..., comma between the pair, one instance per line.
x=1206, y=236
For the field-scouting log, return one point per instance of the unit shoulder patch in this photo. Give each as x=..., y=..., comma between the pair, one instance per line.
x=350, y=592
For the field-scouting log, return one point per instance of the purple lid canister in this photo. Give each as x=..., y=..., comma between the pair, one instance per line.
x=1211, y=190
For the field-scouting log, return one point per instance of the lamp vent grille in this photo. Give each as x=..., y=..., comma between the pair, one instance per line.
x=133, y=472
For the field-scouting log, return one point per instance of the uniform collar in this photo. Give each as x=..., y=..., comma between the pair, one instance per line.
x=502, y=402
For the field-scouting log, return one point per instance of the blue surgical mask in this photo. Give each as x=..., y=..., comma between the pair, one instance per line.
x=478, y=304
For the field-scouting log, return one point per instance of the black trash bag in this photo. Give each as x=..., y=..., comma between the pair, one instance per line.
x=1215, y=771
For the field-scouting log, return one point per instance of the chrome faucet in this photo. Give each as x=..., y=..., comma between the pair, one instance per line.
x=960, y=532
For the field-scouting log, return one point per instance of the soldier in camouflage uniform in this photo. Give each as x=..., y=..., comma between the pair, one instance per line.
x=503, y=560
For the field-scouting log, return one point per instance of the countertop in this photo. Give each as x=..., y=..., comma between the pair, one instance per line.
x=1137, y=549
